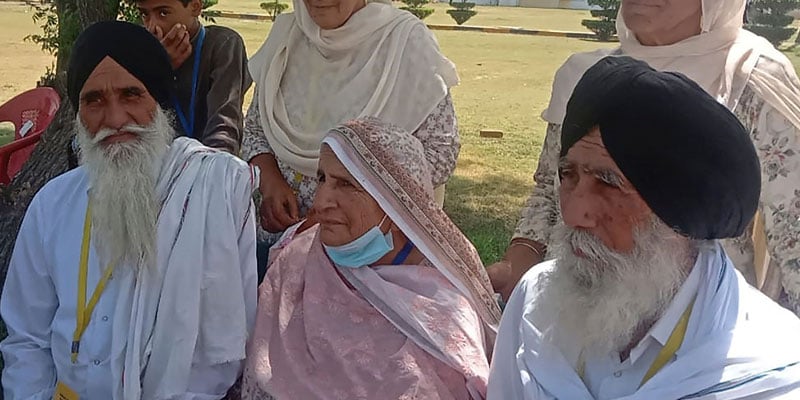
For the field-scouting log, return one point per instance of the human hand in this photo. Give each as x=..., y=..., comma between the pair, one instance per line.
x=520, y=256
x=176, y=42
x=279, y=208
x=501, y=274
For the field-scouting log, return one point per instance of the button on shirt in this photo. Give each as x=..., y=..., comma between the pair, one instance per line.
x=607, y=377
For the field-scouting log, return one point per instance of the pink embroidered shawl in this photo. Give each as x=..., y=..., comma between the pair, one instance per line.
x=406, y=331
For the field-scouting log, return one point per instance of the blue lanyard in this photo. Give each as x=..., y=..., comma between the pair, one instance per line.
x=403, y=254
x=188, y=124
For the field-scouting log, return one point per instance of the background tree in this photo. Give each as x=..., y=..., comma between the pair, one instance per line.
x=417, y=7
x=770, y=19
x=274, y=8
x=605, y=24
x=462, y=11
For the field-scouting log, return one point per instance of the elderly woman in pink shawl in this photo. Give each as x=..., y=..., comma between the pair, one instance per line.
x=378, y=295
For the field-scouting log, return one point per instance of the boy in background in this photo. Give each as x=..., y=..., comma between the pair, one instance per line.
x=210, y=64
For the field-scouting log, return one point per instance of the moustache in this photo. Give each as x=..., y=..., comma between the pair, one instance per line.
x=588, y=245
x=106, y=133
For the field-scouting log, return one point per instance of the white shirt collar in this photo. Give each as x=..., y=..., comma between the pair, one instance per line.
x=663, y=328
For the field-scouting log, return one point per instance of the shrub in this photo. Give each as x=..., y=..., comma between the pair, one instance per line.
x=462, y=11
x=274, y=8
x=605, y=26
x=417, y=7
x=768, y=18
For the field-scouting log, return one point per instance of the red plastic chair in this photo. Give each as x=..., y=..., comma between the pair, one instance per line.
x=30, y=112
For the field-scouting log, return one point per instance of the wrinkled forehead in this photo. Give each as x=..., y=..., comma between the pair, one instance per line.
x=330, y=163
x=590, y=152
x=110, y=75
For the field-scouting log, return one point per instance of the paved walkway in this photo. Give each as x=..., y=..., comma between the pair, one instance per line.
x=468, y=28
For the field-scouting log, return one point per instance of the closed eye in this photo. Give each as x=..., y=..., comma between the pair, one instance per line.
x=609, y=178
x=132, y=93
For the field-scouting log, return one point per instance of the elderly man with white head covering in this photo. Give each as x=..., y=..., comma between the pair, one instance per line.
x=641, y=301
x=133, y=276
x=704, y=40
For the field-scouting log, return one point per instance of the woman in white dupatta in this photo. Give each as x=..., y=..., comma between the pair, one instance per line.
x=383, y=298
x=741, y=70
x=326, y=63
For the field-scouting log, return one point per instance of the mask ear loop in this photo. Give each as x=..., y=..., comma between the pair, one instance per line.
x=380, y=224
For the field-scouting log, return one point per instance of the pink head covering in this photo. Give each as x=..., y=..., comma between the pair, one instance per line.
x=390, y=164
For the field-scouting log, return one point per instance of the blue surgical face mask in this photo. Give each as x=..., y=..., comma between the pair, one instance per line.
x=363, y=251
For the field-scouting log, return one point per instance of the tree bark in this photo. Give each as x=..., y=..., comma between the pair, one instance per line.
x=91, y=11
x=50, y=158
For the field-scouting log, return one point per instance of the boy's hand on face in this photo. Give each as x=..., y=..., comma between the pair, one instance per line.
x=176, y=42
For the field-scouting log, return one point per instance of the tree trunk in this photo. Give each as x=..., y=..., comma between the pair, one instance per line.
x=50, y=158
x=91, y=11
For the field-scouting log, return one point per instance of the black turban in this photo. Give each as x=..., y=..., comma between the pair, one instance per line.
x=132, y=47
x=687, y=155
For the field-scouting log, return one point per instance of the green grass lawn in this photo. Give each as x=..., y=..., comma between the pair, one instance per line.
x=505, y=84
x=6, y=134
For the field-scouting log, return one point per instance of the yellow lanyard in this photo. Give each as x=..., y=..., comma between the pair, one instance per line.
x=674, y=342
x=84, y=311
x=298, y=179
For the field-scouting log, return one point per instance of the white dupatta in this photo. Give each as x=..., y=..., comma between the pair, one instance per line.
x=383, y=62
x=194, y=297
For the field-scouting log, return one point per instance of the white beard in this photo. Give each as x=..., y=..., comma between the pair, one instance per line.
x=605, y=298
x=122, y=195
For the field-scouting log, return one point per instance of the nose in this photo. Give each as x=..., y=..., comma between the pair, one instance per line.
x=579, y=206
x=115, y=116
x=150, y=24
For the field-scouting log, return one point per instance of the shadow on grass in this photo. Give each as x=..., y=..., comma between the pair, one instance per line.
x=486, y=210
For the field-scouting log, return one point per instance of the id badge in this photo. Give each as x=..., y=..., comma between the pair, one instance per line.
x=64, y=392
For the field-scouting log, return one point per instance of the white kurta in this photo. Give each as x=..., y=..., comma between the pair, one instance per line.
x=40, y=296
x=738, y=345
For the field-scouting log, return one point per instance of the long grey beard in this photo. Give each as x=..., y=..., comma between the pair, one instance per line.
x=604, y=298
x=123, y=189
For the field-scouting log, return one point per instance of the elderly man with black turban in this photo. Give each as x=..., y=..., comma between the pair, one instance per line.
x=641, y=302
x=134, y=275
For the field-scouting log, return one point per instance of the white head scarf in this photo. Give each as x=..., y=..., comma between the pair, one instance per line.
x=722, y=59
x=383, y=62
